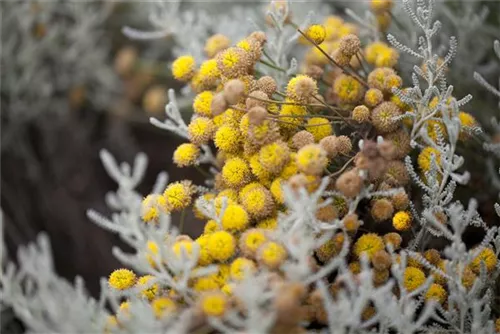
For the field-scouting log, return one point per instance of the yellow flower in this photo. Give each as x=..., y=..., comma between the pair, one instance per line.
x=244, y=125
x=163, y=306
x=316, y=32
x=149, y=292
x=223, y=274
x=228, y=139
x=274, y=157
x=239, y=267
x=214, y=304
x=251, y=240
x=272, y=254
x=183, y=68
x=258, y=170
x=381, y=5
x=466, y=120
x=372, y=50
x=413, y=278
x=210, y=227
x=236, y=172
x=183, y=246
x=122, y=279
x=387, y=58
x=206, y=283
x=186, y=155
x=277, y=190
x=436, y=292
x=152, y=206
x=209, y=72
x=179, y=195
x=258, y=202
x=248, y=188
x=311, y=159
x=319, y=127
x=227, y=289
x=368, y=244
x=332, y=24
x=235, y=218
x=232, y=117
x=434, y=128
x=348, y=89
x=301, y=87
x=424, y=158
x=201, y=130
x=295, y=112
x=202, y=103
x=233, y=62
x=124, y=308
x=204, y=258
x=152, y=252
x=488, y=256
x=346, y=29
x=230, y=194
x=402, y=221
x=221, y=245
x=268, y=224
x=397, y=101
x=290, y=168
x=215, y=44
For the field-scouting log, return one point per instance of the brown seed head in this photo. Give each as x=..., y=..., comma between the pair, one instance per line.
x=254, y=99
x=267, y=84
x=219, y=104
x=329, y=144
x=301, y=139
x=257, y=115
x=382, y=209
x=233, y=91
x=349, y=45
x=360, y=114
x=349, y=183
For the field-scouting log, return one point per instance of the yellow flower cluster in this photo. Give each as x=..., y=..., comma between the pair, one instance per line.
x=269, y=135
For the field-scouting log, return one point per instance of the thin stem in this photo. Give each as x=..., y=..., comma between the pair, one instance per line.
x=272, y=66
x=353, y=74
x=343, y=167
x=264, y=52
x=362, y=64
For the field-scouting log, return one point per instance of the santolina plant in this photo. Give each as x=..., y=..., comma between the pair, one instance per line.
x=312, y=218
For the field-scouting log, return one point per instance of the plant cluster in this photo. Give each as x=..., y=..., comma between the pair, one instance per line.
x=313, y=220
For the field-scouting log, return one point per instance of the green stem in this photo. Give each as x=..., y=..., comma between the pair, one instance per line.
x=272, y=66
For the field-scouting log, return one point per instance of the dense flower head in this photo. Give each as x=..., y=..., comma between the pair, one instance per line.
x=301, y=88
x=319, y=127
x=317, y=33
x=202, y=103
x=402, y=220
x=348, y=89
x=122, y=279
x=179, y=195
x=215, y=44
x=183, y=68
x=413, y=278
x=221, y=245
x=236, y=172
x=368, y=244
x=186, y=155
